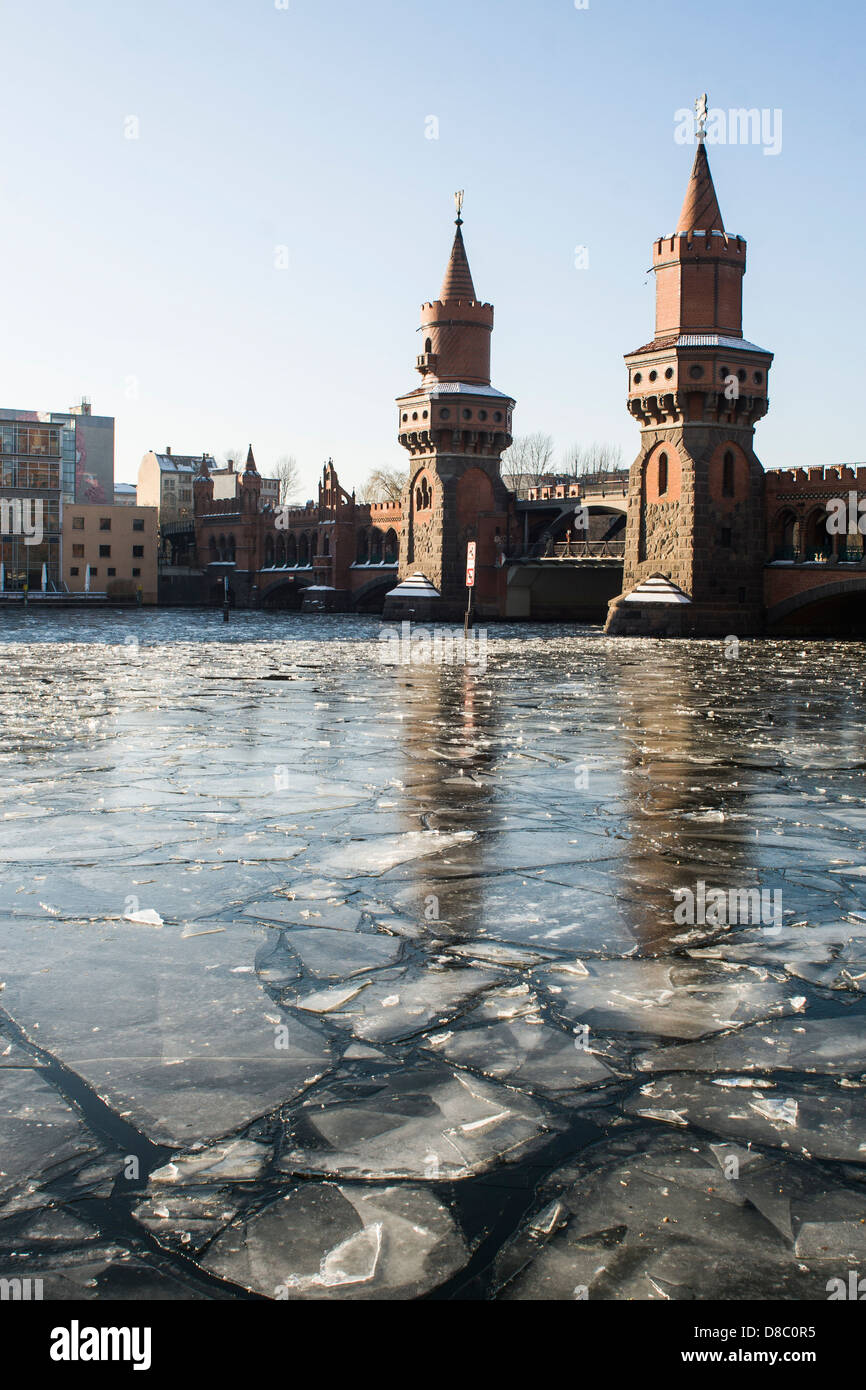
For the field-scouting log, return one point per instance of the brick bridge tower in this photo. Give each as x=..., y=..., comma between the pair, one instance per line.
x=696, y=488
x=455, y=426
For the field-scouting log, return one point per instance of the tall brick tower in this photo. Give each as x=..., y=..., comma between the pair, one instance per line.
x=455, y=426
x=696, y=488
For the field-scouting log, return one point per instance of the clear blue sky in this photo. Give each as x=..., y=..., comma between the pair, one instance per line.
x=148, y=264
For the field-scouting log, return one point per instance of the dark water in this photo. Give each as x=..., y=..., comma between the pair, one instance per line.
x=331, y=978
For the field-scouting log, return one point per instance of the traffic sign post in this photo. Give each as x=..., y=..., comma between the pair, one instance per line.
x=470, y=584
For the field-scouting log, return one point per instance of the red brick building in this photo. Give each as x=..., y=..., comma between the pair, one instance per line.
x=335, y=553
x=714, y=544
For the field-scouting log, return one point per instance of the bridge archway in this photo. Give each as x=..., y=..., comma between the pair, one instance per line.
x=285, y=593
x=606, y=523
x=834, y=609
x=371, y=598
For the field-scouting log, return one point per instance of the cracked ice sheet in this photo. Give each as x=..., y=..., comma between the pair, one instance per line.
x=655, y=1217
x=41, y=1136
x=177, y=892
x=529, y=911
x=826, y=1119
x=332, y=1241
x=533, y=1054
x=395, y=1004
x=377, y=854
x=832, y=1045
x=425, y=1121
x=675, y=999
x=179, y=1037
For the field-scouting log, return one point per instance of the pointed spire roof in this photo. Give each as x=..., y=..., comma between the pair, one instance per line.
x=701, y=211
x=203, y=473
x=251, y=463
x=458, y=277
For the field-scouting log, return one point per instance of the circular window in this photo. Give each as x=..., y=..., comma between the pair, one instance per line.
x=482, y=414
x=741, y=375
x=653, y=376
x=669, y=373
x=444, y=413
x=637, y=380
x=759, y=377
x=414, y=415
x=497, y=416
x=467, y=415
x=405, y=418
x=696, y=372
x=423, y=414
x=724, y=371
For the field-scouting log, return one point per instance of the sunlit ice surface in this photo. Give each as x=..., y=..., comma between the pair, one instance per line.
x=533, y=977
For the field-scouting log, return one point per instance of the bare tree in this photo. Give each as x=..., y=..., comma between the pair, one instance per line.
x=527, y=461
x=236, y=456
x=384, y=485
x=285, y=470
x=582, y=459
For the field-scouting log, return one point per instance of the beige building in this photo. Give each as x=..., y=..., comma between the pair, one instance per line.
x=165, y=482
x=117, y=544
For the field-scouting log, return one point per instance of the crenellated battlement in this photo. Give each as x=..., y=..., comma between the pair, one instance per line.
x=697, y=244
x=467, y=310
x=832, y=476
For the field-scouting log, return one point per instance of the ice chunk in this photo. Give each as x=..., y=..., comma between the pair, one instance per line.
x=239, y=1160
x=822, y=1119
x=526, y=1053
x=185, y=1048
x=40, y=1134
x=428, y=1121
x=806, y=1045
x=339, y=955
x=669, y=998
x=654, y=1217
x=147, y=917
x=331, y=1240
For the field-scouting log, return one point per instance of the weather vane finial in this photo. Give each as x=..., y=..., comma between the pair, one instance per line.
x=458, y=203
x=701, y=117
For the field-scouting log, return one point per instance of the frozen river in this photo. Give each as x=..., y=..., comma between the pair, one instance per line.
x=329, y=978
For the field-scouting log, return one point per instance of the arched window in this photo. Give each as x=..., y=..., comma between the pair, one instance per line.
x=663, y=474
x=231, y=548
x=423, y=495
x=304, y=549
x=428, y=346
x=269, y=553
x=362, y=549
x=375, y=547
x=326, y=545
x=314, y=546
x=212, y=551
x=281, y=551
x=221, y=547
x=728, y=475
x=391, y=547
x=291, y=551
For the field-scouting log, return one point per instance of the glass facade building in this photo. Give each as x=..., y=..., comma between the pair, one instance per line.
x=47, y=459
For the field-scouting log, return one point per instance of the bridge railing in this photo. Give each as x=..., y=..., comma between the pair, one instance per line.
x=795, y=556
x=571, y=550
